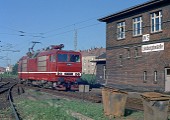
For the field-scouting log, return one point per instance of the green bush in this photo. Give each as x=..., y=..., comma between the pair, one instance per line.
x=8, y=75
x=90, y=78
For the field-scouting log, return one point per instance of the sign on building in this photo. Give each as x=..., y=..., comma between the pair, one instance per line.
x=146, y=37
x=153, y=47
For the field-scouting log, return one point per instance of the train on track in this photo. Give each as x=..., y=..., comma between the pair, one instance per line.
x=51, y=67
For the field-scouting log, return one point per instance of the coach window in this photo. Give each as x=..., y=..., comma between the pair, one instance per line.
x=155, y=76
x=145, y=76
x=62, y=57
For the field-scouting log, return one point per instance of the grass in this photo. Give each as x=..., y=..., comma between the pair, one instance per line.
x=42, y=110
x=8, y=76
x=92, y=110
x=5, y=114
x=45, y=107
x=42, y=106
x=56, y=109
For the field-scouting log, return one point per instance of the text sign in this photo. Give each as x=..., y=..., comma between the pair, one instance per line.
x=153, y=47
x=146, y=37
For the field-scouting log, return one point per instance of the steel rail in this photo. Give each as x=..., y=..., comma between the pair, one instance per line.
x=11, y=103
x=3, y=90
x=4, y=84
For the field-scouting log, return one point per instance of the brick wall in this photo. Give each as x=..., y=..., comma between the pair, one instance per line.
x=127, y=73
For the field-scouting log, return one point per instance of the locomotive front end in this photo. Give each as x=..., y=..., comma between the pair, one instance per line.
x=69, y=70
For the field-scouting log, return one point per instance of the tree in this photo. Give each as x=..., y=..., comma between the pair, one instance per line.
x=15, y=69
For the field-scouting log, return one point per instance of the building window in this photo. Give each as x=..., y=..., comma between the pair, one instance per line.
x=156, y=21
x=121, y=30
x=168, y=72
x=137, y=26
x=155, y=76
x=145, y=76
x=120, y=58
x=128, y=53
x=136, y=52
x=84, y=64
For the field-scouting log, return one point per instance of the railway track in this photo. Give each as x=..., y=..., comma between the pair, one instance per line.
x=7, y=99
x=4, y=86
x=77, y=95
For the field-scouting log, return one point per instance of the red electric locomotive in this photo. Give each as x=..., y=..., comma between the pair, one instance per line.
x=52, y=67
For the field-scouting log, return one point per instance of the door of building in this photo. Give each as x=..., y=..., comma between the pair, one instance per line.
x=167, y=79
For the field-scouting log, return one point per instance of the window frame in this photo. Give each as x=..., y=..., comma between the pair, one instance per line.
x=145, y=76
x=128, y=53
x=136, y=52
x=155, y=77
x=154, y=23
x=121, y=59
x=137, y=21
x=121, y=30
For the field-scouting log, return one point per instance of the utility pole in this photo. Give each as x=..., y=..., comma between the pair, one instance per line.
x=75, y=39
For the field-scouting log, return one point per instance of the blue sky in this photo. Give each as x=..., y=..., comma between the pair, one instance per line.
x=53, y=22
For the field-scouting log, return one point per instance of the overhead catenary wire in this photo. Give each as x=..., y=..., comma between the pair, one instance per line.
x=24, y=33
x=72, y=30
x=46, y=35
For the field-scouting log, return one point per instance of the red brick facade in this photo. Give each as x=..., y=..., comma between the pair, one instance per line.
x=126, y=69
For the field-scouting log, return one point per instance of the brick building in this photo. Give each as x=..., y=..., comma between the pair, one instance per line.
x=89, y=55
x=138, y=47
x=2, y=70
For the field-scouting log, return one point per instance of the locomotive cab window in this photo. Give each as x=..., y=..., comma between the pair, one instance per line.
x=62, y=57
x=74, y=58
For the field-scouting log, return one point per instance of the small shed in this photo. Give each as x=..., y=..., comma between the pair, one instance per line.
x=100, y=68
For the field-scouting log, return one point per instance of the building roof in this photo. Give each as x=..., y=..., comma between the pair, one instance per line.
x=93, y=52
x=145, y=5
x=2, y=69
x=100, y=58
